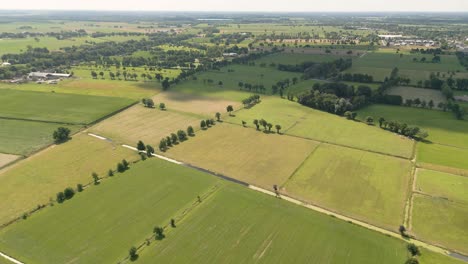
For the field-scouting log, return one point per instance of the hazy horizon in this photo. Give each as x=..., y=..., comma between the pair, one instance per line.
x=242, y=6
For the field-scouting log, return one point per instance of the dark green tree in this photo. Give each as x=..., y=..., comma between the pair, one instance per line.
x=141, y=146
x=218, y=116
x=95, y=178
x=68, y=193
x=61, y=135
x=229, y=109
x=60, y=197
x=190, y=131
x=150, y=150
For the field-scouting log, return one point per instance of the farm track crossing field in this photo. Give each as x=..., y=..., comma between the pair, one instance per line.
x=450, y=159
x=147, y=124
x=245, y=154
x=102, y=223
x=24, y=137
x=301, y=121
x=442, y=127
x=6, y=159
x=433, y=214
x=421, y=93
x=364, y=185
x=54, y=107
x=248, y=227
x=33, y=181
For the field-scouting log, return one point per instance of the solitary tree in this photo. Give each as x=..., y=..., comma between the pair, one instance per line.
x=141, y=146
x=162, y=106
x=218, y=116
x=133, y=253
x=158, y=233
x=173, y=222
x=229, y=109
x=61, y=135
x=278, y=128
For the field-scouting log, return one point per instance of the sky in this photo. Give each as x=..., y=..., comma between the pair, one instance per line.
x=242, y=5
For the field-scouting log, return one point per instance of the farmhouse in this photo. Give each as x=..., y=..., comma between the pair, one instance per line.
x=47, y=76
x=231, y=54
x=4, y=64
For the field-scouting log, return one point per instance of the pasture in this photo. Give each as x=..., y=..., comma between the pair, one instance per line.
x=301, y=121
x=364, y=185
x=35, y=180
x=55, y=107
x=440, y=221
x=443, y=158
x=292, y=58
x=443, y=185
x=245, y=154
x=442, y=127
x=423, y=94
x=24, y=137
x=249, y=227
x=6, y=159
x=102, y=223
x=147, y=124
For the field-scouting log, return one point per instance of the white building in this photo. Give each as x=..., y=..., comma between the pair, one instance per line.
x=47, y=75
x=5, y=64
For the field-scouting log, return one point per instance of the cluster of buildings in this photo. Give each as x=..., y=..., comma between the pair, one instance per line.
x=400, y=40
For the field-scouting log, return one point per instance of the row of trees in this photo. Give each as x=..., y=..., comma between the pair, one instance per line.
x=403, y=129
x=252, y=100
x=266, y=125
x=323, y=70
x=148, y=102
x=356, y=77
x=175, y=138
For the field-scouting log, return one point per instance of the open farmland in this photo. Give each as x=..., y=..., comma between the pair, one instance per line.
x=6, y=159
x=443, y=158
x=249, y=227
x=245, y=154
x=24, y=137
x=147, y=124
x=305, y=122
x=364, y=185
x=443, y=185
x=55, y=107
x=423, y=94
x=35, y=180
x=297, y=58
x=189, y=103
x=102, y=223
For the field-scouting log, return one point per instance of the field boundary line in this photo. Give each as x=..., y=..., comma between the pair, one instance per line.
x=11, y=259
x=41, y=121
x=302, y=164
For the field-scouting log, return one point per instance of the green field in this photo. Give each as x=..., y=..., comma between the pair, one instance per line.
x=450, y=159
x=443, y=185
x=423, y=94
x=296, y=58
x=101, y=224
x=34, y=180
x=24, y=137
x=55, y=107
x=440, y=221
x=301, y=121
x=245, y=154
x=442, y=127
x=241, y=226
x=364, y=185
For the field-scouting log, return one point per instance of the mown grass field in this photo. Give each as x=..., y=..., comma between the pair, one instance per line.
x=254, y=75
x=440, y=221
x=24, y=137
x=102, y=223
x=364, y=185
x=35, y=180
x=241, y=226
x=147, y=124
x=6, y=159
x=445, y=158
x=301, y=121
x=297, y=58
x=55, y=107
x=245, y=154
x=443, y=185
x=421, y=93
x=442, y=126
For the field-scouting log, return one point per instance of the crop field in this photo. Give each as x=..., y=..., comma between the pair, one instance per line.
x=229, y=90
x=442, y=127
x=141, y=123
x=35, y=180
x=245, y=154
x=367, y=186
x=24, y=137
x=6, y=159
x=378, y=74
x=201, y=105
x=297, y=58
x=423, y=94
x=305, y=122
x=444, y=158
x=440, y=221
x=248, y=227
x=55, y=107
x=102, y=223
x=443, y=185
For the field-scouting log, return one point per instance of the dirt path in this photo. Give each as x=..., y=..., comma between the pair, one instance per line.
x=10, y=259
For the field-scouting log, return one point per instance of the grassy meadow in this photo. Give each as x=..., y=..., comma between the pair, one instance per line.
x=24, y=137
x=56, y=107
x=364, y=185
x=301, y=121
x=147, y=124
x=35, y=180
x=245, y=154
x=444, y=158
x=423, y=94
x=102, y=223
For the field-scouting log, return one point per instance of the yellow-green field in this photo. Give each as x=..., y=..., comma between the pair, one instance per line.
x=35, y=180
x=245, y=154
x=141, y=123
x=444, y=158
x=364, y=185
